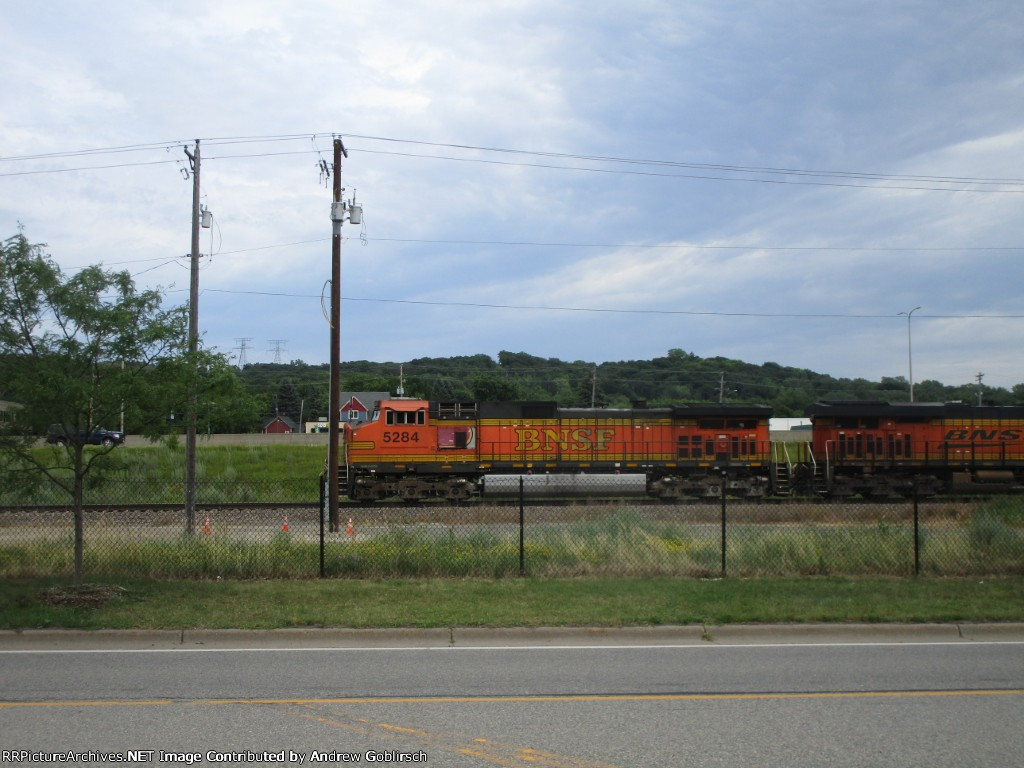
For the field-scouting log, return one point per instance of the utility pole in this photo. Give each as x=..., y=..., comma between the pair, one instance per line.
x=979, y=377
x=335, y=394
x=193, y=348
x=340, y=210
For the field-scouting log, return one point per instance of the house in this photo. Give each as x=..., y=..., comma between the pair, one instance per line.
x=356, y=408
x=279, y=425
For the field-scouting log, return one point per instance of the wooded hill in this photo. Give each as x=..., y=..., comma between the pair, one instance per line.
x=297, y=389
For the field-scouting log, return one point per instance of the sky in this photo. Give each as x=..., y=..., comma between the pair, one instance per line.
x=584, y=180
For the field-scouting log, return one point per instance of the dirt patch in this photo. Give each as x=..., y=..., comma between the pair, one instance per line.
x=81, y=596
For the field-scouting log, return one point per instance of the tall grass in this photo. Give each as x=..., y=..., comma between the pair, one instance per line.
x=620, y=543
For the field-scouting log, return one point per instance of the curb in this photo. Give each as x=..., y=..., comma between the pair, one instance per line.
x=479, y=637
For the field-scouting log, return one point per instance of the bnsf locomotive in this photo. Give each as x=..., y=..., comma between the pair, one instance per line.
x=415, y=449
x=877, y=448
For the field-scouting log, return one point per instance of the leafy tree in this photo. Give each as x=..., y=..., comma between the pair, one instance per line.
x=677, y=377
x=79, y=352
x=225, y=404
x=368, y=382
x=589, y=391
x=288, y=401
x=494, y=386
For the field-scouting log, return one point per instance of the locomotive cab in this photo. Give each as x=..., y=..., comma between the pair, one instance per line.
x=401, y=452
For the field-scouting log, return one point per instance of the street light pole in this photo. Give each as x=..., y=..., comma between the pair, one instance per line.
x=910, y=352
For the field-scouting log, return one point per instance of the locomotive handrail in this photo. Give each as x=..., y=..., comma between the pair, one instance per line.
x=785, y=454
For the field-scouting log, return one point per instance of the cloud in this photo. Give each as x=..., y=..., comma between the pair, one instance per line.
x=871, y=108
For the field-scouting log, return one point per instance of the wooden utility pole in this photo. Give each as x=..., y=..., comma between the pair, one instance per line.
x=335, y=394
x=193, y=348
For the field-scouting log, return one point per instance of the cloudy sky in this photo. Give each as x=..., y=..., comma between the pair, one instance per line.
x=585, y=180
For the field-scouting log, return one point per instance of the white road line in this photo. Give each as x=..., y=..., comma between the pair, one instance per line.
x=450, y=648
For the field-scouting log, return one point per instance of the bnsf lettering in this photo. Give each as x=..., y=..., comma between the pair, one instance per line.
x=982, y=434
x=563, y=439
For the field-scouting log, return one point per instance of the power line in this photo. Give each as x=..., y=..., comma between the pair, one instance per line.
x=713, y=166
x=704, y=177
x=811, y=177
x=637, y=246
x=605, y=310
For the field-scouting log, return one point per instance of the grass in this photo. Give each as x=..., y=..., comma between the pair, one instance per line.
x=156, y=475
x=484, y=543
x=626, y=568
x=612, y=602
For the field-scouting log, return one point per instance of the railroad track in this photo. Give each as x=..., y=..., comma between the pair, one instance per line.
x=344, y=504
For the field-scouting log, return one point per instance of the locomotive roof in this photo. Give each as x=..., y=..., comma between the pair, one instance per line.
x=914, y=410
x=722, y=409
x=546, y=409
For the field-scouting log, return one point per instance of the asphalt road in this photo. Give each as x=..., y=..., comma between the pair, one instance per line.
x=935, y=696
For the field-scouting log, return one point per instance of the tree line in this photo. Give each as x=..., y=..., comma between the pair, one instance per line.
x=298, y=388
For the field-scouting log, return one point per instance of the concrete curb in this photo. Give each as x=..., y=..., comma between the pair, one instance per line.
x=444, y=637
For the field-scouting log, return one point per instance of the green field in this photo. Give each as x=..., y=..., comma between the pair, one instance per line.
x=610, y=602
x=156, y=474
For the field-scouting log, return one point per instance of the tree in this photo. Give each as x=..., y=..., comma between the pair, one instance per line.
x=81, y=352
x=225, y=404
x=493, y=387
x=288, y=402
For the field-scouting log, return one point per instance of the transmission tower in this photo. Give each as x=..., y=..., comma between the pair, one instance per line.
x=277, y=348
x=243, y=345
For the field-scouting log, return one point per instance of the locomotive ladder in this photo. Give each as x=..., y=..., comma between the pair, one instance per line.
x=782, y=469
x=342, y=479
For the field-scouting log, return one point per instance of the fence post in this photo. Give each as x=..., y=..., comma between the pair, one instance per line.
x=522, y=517
x=725, y=475
x=323, y=513
x=917, y=536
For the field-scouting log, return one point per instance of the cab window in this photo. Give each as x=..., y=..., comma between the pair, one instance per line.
x=407, y=417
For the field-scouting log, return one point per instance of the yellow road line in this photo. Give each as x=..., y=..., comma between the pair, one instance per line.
x=157, y=703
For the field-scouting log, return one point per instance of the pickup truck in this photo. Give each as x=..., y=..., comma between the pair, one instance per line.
x=58, y=434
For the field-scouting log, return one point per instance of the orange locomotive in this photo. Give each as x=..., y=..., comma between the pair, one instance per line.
x=417, y=449
x=879, y=448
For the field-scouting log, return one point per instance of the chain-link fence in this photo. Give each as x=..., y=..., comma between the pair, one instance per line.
x=512, y=536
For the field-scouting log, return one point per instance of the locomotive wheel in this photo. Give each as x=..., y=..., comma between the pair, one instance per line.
x=367, y=491
x=457, y=490
x=411, y=491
